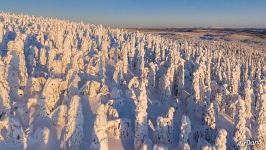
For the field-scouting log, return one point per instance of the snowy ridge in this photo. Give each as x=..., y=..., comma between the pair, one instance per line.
x=67, y=85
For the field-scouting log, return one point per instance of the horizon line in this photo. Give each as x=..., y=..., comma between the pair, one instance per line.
x=127, y=27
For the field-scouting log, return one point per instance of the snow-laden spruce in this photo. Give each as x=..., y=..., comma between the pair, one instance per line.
x=240, y=134
x=261, y=123
x=99, y=132
x=184, y=133
x=74, y=126
x=220, y=142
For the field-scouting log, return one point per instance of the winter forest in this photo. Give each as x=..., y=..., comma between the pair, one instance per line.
x=73, y=86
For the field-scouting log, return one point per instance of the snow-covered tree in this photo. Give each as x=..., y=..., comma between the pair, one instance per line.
x=51, y=92
x=73, y=85
x=1, y=33
x=198, y=84
x=235, y=79
x=118, y=74
x=40, y=105
x=249, y=100
x=160, y=147
x=41, y=135
x=58, y=116
x=185, y=130
x=99, y=134
x=207, y=148
x=125, y=47
x=209, y=116
x=119, y=128
x=152, y=74
x=164, y=129
x=240, y=125
x=42, y=56
x=90, y=88
x=4, y=91
x=220, y=142
x=141, y=123
x=13, y=131
x=261, y=123
x=74, y=125
x=180, y=77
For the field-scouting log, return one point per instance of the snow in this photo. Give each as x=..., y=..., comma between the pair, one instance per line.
x=70, y=85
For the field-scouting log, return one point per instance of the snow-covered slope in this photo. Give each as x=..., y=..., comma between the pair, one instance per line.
x=68, y=85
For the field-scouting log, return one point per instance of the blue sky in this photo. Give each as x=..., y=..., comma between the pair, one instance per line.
x=148, y=13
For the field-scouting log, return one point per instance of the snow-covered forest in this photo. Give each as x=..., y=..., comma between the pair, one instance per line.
x=76, y=86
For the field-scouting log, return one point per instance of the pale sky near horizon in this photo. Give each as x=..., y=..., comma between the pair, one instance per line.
x=148, y=13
